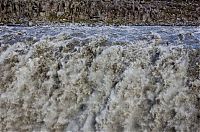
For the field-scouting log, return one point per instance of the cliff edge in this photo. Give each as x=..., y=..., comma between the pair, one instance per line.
x=146, y=12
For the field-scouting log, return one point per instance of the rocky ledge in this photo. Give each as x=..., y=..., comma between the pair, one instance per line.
x=146, y=12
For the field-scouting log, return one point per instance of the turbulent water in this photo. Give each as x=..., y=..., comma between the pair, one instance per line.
x=102, y=78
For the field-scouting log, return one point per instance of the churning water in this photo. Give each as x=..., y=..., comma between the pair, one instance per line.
x=101, y=78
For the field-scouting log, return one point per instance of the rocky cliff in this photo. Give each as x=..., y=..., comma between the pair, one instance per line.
x=108, y=11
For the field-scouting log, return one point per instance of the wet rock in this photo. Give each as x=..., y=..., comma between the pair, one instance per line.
x=116, y=12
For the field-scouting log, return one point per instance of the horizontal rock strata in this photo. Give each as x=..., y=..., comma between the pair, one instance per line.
x=108, y=11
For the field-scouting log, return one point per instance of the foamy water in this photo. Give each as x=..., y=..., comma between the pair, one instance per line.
x=171, y=35
x=103, y=78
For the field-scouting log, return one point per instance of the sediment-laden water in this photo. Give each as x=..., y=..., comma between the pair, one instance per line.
x=102, y=78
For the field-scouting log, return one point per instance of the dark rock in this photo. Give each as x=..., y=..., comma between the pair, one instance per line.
x=112, y=12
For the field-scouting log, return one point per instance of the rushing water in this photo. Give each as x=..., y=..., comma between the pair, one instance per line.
x=101, y=78
x=173, y=35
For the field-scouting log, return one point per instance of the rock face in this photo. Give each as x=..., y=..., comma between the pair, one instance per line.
x=108, y=11
x=63, y=83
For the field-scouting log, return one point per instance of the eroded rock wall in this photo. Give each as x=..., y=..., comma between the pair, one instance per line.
x=108, y=11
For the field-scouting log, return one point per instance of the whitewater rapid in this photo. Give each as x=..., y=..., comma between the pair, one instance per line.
x=101, y=78
x=170, y=34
